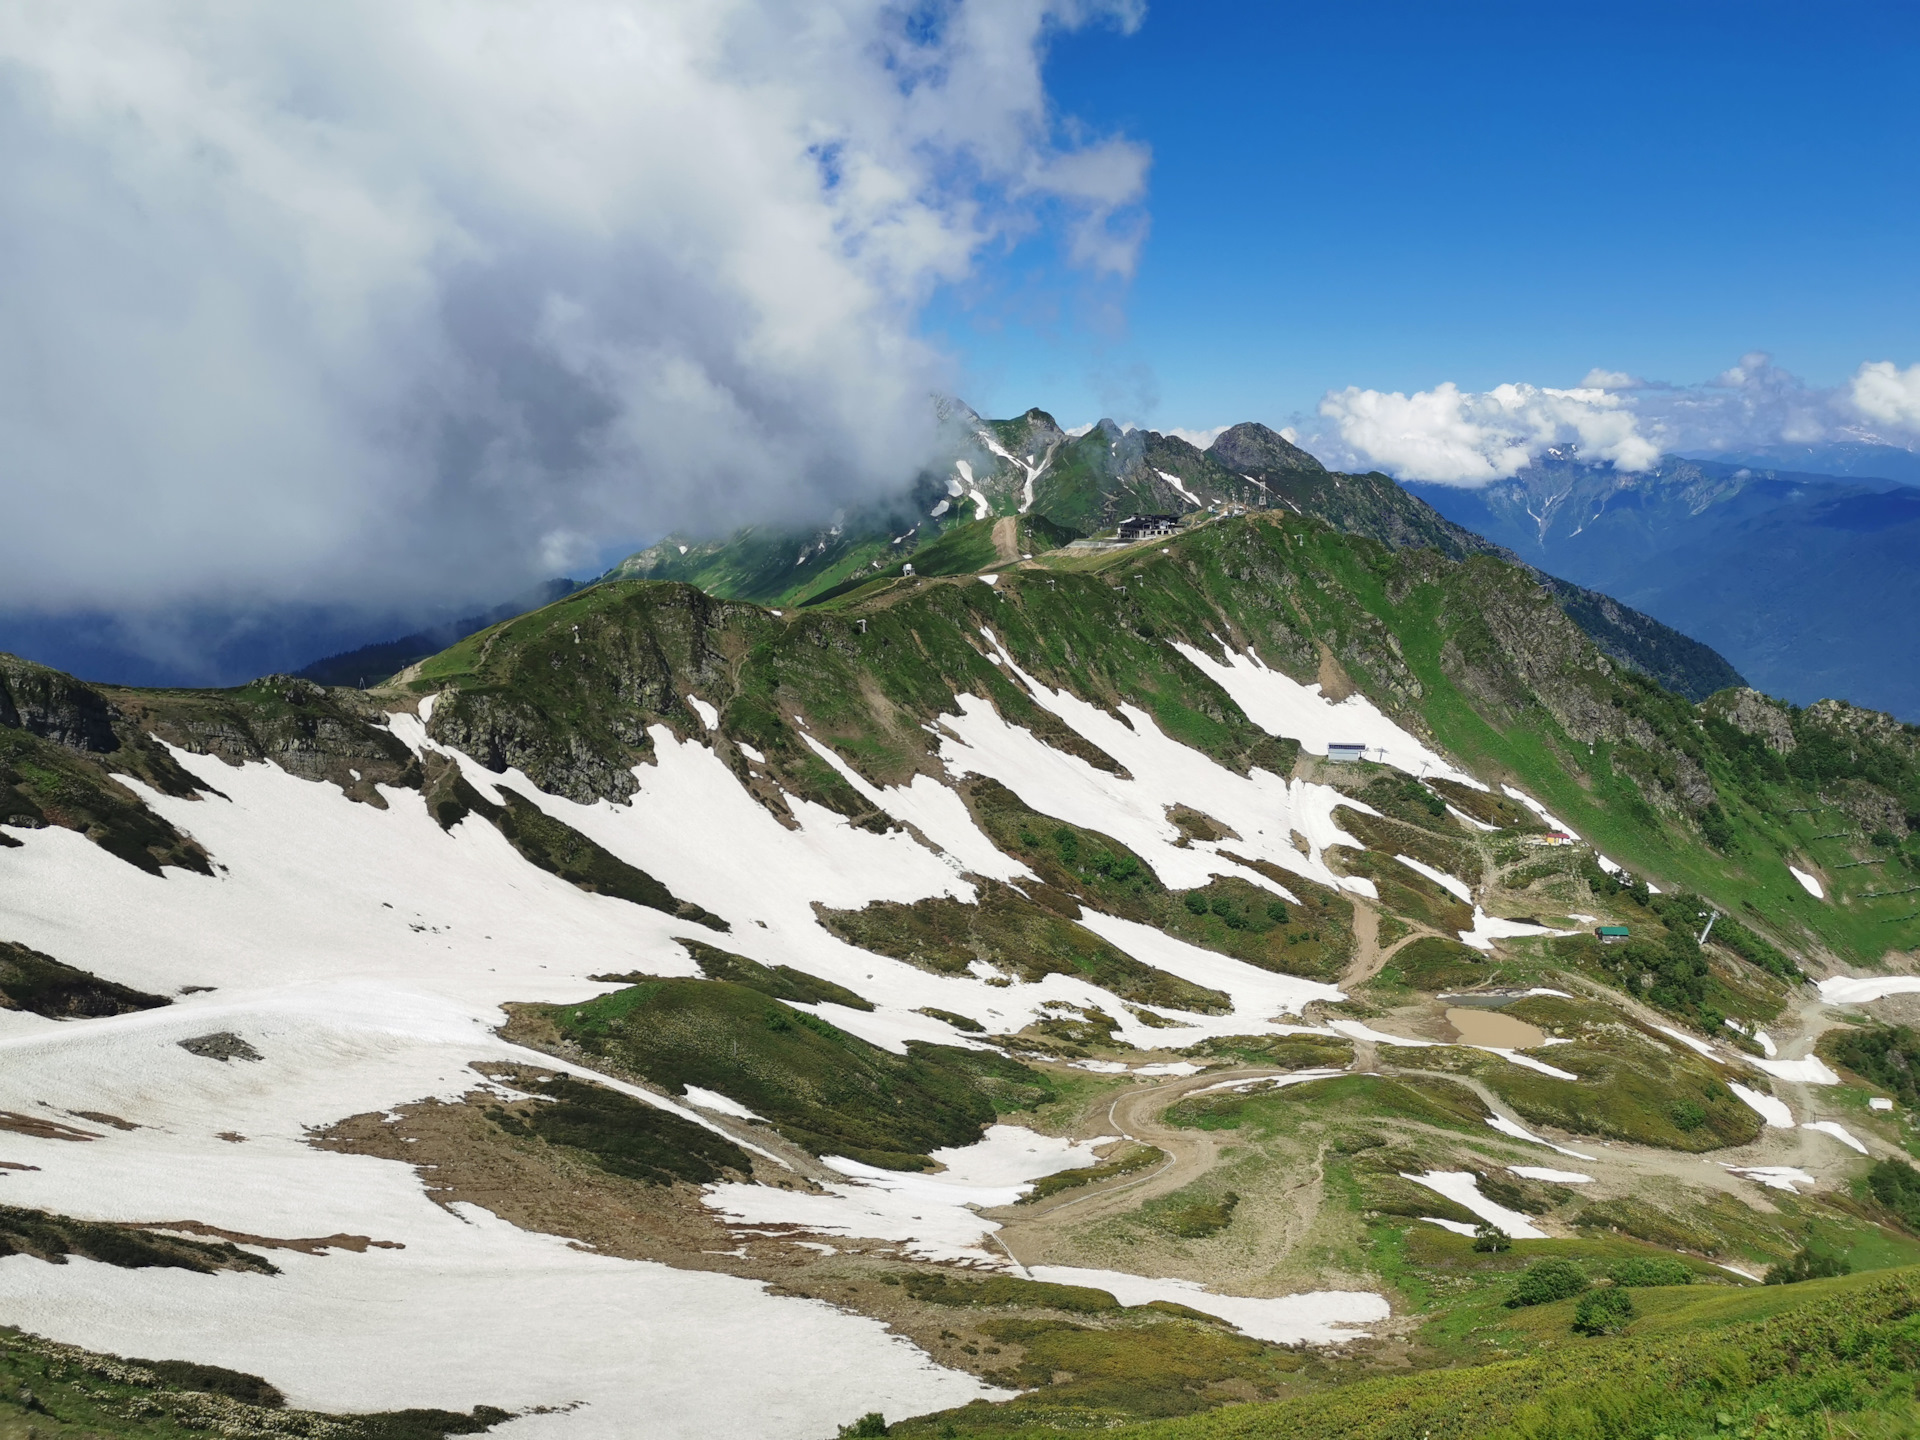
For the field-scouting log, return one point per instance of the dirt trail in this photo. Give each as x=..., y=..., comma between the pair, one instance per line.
x=1136, y=1115
x=1368, y=957
x=1006, y=539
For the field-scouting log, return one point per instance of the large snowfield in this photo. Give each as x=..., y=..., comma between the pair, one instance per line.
x=365, y=954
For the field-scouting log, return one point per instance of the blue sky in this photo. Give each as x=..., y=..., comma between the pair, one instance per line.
x=1395, y=195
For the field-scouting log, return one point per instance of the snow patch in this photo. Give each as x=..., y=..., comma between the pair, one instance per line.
x=1698, y=1046
x=1808, y=883
x=1836, y=1130
x=1774, y=1177
x=1810, y=1071
x=1555, y=1177
x=1774, y=1112
x=1319, y=1317
x=709, y=716
x=1445, y=881
x=713, y=1100
x=1461, y=1187
x=1489, y=928
x=1282, y=706
x=1519, y=1132
x=1860, y=989
x=1540, y=810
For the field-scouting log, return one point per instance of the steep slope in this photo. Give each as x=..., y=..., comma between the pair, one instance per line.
x=654, y=973
x=1804, y=581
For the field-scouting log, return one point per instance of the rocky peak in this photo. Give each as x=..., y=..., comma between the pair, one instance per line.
x=1253, y=449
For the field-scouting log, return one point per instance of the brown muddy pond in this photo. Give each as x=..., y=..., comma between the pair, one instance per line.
x=1489, y=1027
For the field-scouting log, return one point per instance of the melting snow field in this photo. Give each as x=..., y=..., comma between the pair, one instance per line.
x=1283, y=706
x=928, y=1215
x=1463, y=1189
x=1520, y=1132
x=365, y=954
x=1320, y=1317
x=1810, y=1071
x=1860, y=989
x=1774, y=1112
x=1836, y=1130
x=1775, y=1177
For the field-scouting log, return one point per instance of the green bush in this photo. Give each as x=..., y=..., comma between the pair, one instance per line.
x=1650, y=1270
x=872, y=1423
x=1603, y=1312
x=1808, y=1264
x=1491, y=1239
x=1546, y=1281
x=1896, y=1185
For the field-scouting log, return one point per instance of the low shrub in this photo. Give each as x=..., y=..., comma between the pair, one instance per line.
x=1648, y=1270
x=1603, y=1312
x=1546, y=1281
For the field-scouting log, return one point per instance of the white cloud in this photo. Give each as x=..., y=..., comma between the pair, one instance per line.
x=1473, y=438
x=1887, y=395
x=363, y=298
x=1598, y=379
x=1463, y=438
x=1202, y=438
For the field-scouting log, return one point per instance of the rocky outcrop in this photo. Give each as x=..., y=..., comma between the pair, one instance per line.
x=55, y=707
x=1761, y=716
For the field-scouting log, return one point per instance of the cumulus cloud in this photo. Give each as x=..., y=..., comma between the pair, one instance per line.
x=1884, y=394
x=1470, y=438
x=371, y=298
x=1463, y=438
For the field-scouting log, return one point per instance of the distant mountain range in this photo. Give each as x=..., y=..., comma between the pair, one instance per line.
x=1807, y=582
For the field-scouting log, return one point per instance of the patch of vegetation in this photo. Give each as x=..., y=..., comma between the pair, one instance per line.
x=1896, y=1185
x=1078, y=861
x=827, y=1091
x=1015, y=934
x=1808, y=1263
x=54, y=1237
x=1603, y=1312
x=558, y=848
x=623, y=1136
x=940, y=1288
x=1732, y=1362
x=1546, y=1281
x=57, y=1391
x=43, y=784
x=1888, y=1056
x=1133, y=1158
x=1433, y=963
x=41, y=985
x=1645, y=1271
x=782, y=982
x=1631, y=1216
x=1193, y=1218
x=1236, y=917
x=1431, y=1102
x=1138, y=1364
x=949, y=1017
x=1282, y=1052
x=1629, y=1087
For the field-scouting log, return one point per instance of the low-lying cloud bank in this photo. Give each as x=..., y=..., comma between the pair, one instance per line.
x=1459, y=437
x=391, y=299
